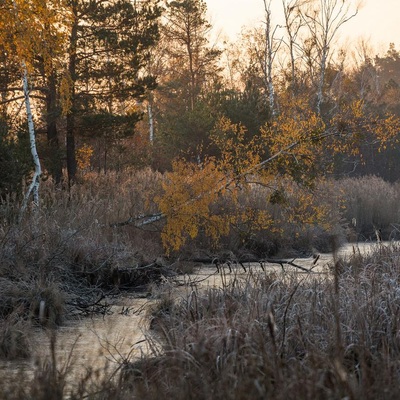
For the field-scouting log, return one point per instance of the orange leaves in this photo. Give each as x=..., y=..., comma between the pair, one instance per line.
x=303, y=207
x=354, y=126
x=213, y=196
x=239, y=152
x=190, y=191
x=299, y=126
x=83, y=157
x=387, y=131
x=66, y=86
x=33, y=27
x=284, y=159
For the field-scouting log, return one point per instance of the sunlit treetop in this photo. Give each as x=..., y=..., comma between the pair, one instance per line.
x=33, y=28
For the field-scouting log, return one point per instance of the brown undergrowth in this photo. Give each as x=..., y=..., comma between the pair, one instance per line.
x=63, y=259
x=275, y=335
x=330, y=335
x=290, y=336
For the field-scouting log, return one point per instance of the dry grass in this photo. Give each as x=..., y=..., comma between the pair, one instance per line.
x=373, y=204
x=283, y=337
x=276, y=336
x=272, y=336
x=65, y=256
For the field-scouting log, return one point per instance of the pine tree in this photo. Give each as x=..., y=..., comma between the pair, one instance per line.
x=107, y=51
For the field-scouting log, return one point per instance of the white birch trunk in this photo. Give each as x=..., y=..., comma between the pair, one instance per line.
x=34, y=186
x=151, y=122
x=269, y=55
x=320, y=94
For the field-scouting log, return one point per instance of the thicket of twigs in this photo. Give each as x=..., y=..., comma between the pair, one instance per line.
x=71, y=253
x=67, y=258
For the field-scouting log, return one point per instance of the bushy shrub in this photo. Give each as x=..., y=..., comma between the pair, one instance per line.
x=287, y=220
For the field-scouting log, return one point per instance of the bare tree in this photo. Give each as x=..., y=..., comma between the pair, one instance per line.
x=293, y=25
x=365, y=73
x=270, y=51
x=324, y=18
x=264, y=46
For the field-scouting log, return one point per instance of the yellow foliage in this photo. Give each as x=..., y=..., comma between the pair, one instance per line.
x=300, y=131
x=286, y=157
x=239, y=152
x=83, y=157
x=66, y=86
x=190, y=190
x=34, y=27
x=211, y=197
x=353, y=125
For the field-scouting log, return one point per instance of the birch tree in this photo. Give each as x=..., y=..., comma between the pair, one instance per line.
x=23, y=32
x=263, y=46
x=323, y=19
x=271, y=49
x=293, y=25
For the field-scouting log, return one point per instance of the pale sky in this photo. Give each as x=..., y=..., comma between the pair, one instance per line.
x=377, y=20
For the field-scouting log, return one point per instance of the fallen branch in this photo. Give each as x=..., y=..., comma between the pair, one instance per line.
x=283, y=262
x=139, y=221
x=143, y=220
x=217, y=262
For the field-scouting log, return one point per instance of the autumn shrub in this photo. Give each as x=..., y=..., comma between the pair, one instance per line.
x=304, y=219
x=370, y=203
x=285, y=219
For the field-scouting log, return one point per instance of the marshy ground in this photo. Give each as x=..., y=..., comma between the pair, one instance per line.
x=260, y=333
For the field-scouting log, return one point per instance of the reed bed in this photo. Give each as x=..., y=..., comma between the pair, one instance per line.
x=272, y=335
x=290, y=336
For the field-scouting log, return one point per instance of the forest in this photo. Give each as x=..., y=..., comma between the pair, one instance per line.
x=136, y=145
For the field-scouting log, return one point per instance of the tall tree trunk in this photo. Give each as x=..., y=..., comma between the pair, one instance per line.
x=52, y=133
x=151, y=122
x=320, y=92
x=192, y=73
x=71, y=157
x=293, y=25
x=324, y=18
x=269, y=55
x=34, y=186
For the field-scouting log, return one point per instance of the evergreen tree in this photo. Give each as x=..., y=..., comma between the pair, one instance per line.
x=108, y=48
x=191, y=72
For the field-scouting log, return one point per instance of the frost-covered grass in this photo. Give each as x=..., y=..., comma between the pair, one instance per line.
x=278, y=336
x=290, y=336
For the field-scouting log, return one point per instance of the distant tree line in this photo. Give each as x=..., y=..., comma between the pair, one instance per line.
x=135, y=83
